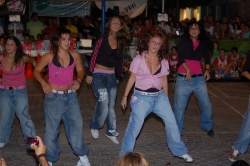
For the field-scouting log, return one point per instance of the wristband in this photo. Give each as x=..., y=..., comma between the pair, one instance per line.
x=41, y=155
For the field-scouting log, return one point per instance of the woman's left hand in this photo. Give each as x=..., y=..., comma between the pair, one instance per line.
x=76, y=85
x=207, y=75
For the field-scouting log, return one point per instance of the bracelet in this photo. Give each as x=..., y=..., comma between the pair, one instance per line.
x=41, y=155
x=79, y=80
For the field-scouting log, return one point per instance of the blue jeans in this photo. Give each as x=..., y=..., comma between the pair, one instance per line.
x=64, y=107
x=105, y=90
x=226, y=75
x=183, y=90
x=244, y=137
x=14, y=102
x=142, y=106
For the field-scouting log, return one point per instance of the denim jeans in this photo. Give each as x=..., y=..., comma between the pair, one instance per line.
x=14, y=102
x=244, y=137
x=105, y=90
x=183, y=90
x=64, y=107
x=142, y=106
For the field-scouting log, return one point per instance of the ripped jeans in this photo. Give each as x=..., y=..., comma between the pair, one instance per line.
x=142, y=106
x=105, y=90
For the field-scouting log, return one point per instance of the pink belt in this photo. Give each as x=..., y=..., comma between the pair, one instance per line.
x=12, y=87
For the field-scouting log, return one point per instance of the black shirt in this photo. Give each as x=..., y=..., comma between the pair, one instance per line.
x=186, y=51
x=85, y=31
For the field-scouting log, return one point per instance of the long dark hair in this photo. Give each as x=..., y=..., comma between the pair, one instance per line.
x=202, y=37
x=142, y=45
x=19, y=51
x=55, y=41
x=122, y=35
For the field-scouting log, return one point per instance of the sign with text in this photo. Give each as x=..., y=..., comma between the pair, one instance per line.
x=12, y=7
x=130, y=8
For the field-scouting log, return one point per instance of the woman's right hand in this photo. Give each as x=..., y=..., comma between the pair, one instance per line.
x=46, y=88
x=188, y=76
x=124, y=102
x=89, y=79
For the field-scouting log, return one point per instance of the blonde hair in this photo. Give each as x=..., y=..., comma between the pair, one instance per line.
x=132, y=159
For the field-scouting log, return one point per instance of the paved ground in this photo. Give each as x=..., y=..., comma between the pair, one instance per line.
x=230, y=100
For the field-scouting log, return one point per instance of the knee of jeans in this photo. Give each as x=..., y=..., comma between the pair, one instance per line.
x=102, y=95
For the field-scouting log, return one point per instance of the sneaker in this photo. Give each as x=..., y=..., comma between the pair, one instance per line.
x=2, y=145
x=50, y=163
x=211, y=133
x=216, y=76
x=237, y=74
x=233, y=74
x=113, y=139
x=234, y=155
x=84, y=161
x=95, y=133
x=116, y=134
x=187, y=158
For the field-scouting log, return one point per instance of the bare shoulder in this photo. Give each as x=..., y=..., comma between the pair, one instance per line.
x=75, y=54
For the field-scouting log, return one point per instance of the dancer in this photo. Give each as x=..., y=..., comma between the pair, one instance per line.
x=132, y=159
x=13, y=91
x=61, y=101
x=104, y=73
x=192, y=46
x=241, y=145
x=149, y=72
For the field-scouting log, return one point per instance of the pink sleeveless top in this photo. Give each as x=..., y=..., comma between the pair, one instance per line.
x=61, y=76
x=15, y=77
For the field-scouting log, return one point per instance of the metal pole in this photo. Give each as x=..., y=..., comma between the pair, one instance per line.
x=146, y=12
x=162, y=10
x=103, y=15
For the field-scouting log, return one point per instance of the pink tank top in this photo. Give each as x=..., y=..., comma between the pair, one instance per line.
x=15, y=77
x=61, y=76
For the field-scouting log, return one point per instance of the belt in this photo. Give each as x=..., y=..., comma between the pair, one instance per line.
x=193, y=75
x=148, y=93
x=63, y=92
x=12, y=87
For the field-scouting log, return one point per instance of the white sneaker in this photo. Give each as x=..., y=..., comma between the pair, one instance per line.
x=113, y=139
x=187, y=158
x=2, y=145
x=84, y=161
x=95, y=133
x=217, y=76
x=237, y=74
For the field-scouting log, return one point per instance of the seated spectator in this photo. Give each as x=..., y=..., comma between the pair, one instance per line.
x=72, y=28
x=132, y=159
x=222, y=65
x=242, y=27
x=136, y=29
x=165, y=27
x=209, y=29
x=226, y=32
x=177, y=31
x=27, y=42
x=217, y=30
x=98, y=30
x=19, y=30
x=245, y=34
x=173, y=61
x=34, y=26
x=146, y=27
x=50, y=28
x=236, y=62
x=46, y=42
x=216, y=52
x=172, y=25
x=86, y=31
x=2, y=43
x=211, y=20
x=236, y=32
x=39, y=40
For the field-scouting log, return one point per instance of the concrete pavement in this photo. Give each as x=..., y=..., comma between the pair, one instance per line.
x=229, y=99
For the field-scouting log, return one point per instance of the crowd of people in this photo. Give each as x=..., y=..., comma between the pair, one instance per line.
x=191, y=63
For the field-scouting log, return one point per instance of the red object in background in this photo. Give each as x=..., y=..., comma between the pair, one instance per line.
x=29, y=71
x=1, y=73
x=72, y=43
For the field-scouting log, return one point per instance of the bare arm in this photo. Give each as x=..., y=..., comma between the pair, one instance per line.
x=44, y=61
x=165, y=84
x=29, y=59
x=129, y=85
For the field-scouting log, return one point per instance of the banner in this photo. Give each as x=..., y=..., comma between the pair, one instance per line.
x=61, y=9
x=130, y=8
x=243, y=46
x=12, y=7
